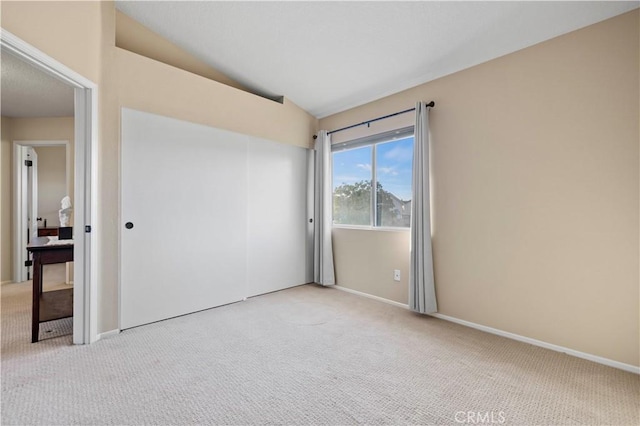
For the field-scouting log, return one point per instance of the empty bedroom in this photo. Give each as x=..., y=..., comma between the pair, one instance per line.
x=321, y=213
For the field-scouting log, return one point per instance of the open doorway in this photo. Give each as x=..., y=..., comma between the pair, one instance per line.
x=79, y=150
x=42, y=178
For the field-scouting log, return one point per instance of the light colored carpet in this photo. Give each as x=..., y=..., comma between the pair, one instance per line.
x=308, y=355
x=16, y=312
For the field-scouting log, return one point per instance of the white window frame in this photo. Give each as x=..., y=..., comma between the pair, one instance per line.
x=373, y=141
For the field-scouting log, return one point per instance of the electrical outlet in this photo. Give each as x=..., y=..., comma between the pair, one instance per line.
x=396, y=274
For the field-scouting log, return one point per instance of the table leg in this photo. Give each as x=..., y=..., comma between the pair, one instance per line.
x=37, y=290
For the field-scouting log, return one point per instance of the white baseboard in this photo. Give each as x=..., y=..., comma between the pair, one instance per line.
x=371, y=296
x=600, y=360
x=108, y=334
x=594, y=358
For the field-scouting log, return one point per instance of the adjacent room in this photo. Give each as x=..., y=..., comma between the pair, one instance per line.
x=37, y=134
x=320, y=212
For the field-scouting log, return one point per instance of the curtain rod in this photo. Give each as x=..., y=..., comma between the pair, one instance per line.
x=430, y=104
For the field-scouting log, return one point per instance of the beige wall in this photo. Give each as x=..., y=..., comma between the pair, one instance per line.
x=365, y=261
x=82, y=36
x=143, y=85
x=70, y=32
x=46, y=129
x=6, y=255
x=535, y=192
x=52, y=183
x=25, y=129
x=135, y=37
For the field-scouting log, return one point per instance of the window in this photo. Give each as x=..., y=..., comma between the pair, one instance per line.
x=373, y=171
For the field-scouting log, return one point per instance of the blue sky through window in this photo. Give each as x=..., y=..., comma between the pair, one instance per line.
x=394, y=163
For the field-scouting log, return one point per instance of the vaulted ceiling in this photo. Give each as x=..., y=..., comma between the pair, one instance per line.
x=330, y=56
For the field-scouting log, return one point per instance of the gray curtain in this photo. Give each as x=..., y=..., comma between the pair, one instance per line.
x=422, y=293
x=323, y=272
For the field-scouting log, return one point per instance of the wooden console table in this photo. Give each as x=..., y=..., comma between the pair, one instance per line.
x=49, y=305
x=47, y=232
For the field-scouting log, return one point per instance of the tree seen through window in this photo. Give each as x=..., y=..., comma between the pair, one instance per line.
x=387, y=163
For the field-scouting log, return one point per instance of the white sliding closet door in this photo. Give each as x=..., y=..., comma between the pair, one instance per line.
x=278, y=218
x=184, y=191
x=214, y=217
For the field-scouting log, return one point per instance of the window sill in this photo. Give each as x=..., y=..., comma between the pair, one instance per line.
x=371, y=228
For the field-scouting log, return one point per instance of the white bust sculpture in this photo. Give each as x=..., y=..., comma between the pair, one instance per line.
x=65, y=212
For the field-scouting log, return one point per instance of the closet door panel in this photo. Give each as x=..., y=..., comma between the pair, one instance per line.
x=183, y=218
x=277, y=229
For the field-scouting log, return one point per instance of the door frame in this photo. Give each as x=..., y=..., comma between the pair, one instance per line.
x=86, y=251
x=19, y=192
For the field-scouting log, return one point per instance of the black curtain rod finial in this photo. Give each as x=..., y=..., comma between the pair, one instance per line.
x=431, y=104
x=315, y=137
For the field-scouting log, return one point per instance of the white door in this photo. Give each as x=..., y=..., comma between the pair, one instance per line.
x=31, y=169
x=209, y=217
x=184, y=216
x=277, y=225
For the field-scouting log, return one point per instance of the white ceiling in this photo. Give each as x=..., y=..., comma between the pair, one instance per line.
x=29, y=92
x=326, y=56
x=330, y=56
